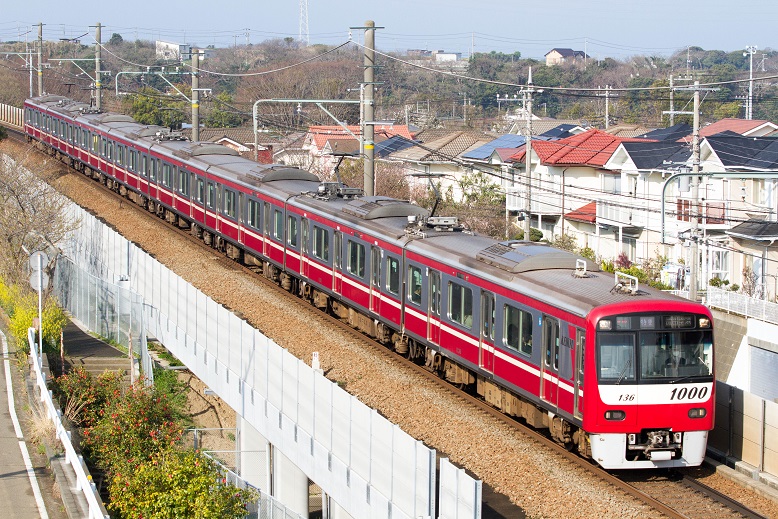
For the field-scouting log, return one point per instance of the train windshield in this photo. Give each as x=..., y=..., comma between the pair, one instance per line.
x=652, y=349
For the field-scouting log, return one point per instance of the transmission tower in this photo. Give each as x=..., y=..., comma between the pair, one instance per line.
x=304, y=22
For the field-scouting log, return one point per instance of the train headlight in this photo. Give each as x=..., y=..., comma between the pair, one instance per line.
x=677, y=437
x=631, y=438
x=704, y=322
x=615, y=415
x=697, y=412
x=605, y=324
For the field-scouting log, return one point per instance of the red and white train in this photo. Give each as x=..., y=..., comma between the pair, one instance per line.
x=621, y=372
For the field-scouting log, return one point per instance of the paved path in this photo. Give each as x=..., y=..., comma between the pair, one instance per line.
x=20, y=495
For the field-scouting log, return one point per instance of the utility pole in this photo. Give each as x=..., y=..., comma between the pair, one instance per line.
x=368, y=130
x=672, y=100
x=695, y=193
x=195, y=95
x=40, y=59
x=98, y=82
x=527, y=92
x=750, y=51
x=607, y=95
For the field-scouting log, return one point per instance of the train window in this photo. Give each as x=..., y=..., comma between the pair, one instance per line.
x=211, y=202
x=144, y=165
x=517, y=334
x=487, y=315
x=120, y=155
x=200, y=194
x=551, y=340
x=338, y=247
x=616, y=358
x=95, y=140
x=460, y=304
x=414, y=284
x=109, y=151
x=166, y=174
x=291, y=235
x=393, y=275
x=278, y=227
x=675, y=353
x=321, y=243
x=183, y=186
x=85, y=140
x=435, y=292
x=253, y=208
x=356, y=259
x=153, y=170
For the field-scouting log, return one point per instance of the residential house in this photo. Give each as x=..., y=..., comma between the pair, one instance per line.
x=567, y=175
x=558, y=56
x=325, y=143
x=438, y=156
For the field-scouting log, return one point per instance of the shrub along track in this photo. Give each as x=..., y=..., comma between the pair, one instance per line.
x=543, y=484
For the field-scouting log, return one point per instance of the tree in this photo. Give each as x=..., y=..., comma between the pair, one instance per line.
x=151, y=107
x=32, y=215
x=116, y=39
x=222, y=114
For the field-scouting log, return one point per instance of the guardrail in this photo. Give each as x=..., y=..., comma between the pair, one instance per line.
x=11, y=116
x=743, y=305
x=84, y=481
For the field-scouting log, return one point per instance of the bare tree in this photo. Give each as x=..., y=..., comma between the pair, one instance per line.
x=32, y=214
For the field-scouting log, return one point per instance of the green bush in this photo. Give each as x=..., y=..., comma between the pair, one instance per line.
x=82, y=397
x=177, y=484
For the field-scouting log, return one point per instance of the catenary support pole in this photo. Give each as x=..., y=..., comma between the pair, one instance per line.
x=40, y=59
x=368, y=130
x=694, y=267
x=196, y=95
x=98, y=79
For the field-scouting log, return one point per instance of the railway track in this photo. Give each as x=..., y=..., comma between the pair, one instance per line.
x=655, y=490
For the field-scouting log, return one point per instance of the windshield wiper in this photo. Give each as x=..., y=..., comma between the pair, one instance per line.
x=624, y=371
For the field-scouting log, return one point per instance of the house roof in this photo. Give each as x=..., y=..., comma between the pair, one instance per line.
x=760, y=153
x=319, y=135
x=672, y=133
x=591, y=148
x=756, y=230
x=443, y=149
x=739, y=126
x=626, y=130
x=560, y=131
x=567, y=53
x=242, y=135
x=586, y=213
x=392, y=144
x=509, y=140
x=652, y=155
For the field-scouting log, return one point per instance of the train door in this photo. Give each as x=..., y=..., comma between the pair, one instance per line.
x=266, y=229
x=241, y=218
x=337, y=274
x=549, y=364
x=580, y=345
x=375, y=280
x=433, y=320
x=304, y=247
x=486, y=342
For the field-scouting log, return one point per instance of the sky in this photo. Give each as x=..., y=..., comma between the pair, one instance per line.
x=602, y=28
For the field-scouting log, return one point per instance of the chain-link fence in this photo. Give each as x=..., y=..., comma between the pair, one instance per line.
x=110, y=310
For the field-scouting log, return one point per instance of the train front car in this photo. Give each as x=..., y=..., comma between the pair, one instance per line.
x=651, y=403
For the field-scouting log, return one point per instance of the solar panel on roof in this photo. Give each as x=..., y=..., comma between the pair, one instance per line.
x=505, y=141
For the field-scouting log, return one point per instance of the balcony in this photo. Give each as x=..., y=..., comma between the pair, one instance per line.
x=541, y=202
